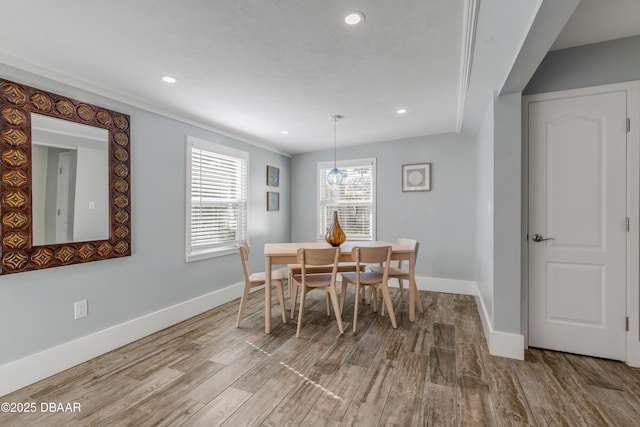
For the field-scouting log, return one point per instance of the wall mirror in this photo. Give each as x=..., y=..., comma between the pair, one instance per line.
x=64, y=180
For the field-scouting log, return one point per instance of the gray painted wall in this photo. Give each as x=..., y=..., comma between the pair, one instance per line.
x=591, y=65
x=442, y=220
x=498, y=219
x=506, y=212
x=36, y=308
x=484, y=211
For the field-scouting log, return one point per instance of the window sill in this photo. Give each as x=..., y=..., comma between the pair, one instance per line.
x=211, y=253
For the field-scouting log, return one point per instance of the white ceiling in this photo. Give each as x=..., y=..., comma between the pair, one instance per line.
x=252, y=68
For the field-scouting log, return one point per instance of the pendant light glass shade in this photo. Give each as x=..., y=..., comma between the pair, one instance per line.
x=335, y=176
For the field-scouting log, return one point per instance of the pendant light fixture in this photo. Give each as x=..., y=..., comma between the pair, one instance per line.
x=334, y=177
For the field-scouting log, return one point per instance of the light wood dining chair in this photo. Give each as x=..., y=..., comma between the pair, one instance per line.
x=306, y=281
x=297, y=269
x=398, y=272
x=252, y=280
x=374, y=280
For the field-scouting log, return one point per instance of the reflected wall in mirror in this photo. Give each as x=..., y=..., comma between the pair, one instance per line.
x=64, y=180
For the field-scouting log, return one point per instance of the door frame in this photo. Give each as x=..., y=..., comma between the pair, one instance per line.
x=632, y=90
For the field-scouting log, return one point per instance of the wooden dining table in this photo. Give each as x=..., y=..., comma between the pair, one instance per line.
x=287, y=253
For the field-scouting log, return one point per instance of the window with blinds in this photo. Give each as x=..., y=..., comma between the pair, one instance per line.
x=216, y=199
x=354, y=199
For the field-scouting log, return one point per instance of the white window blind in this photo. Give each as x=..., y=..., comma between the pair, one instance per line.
x=354, y=199
x=217, y=198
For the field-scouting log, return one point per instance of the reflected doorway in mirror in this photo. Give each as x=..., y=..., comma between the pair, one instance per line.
x=70, y=176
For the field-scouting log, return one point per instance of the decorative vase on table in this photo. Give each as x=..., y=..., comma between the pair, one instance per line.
x=335, y=236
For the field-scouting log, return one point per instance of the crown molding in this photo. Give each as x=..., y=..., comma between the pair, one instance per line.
x=466, y=61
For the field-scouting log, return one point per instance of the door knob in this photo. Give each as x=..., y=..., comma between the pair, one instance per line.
x=538, y=238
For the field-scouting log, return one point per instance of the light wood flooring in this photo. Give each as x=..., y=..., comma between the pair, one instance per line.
x=436, y=371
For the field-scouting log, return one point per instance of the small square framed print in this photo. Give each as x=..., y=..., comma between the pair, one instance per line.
x=273, y=176
x=273, y=201
x=416, y=177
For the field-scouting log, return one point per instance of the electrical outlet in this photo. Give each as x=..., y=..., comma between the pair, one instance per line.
x=80, y=308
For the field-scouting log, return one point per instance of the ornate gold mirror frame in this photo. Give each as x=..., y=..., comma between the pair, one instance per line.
x=17, y=102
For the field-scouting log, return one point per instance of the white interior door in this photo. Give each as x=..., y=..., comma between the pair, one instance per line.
x=578, y=224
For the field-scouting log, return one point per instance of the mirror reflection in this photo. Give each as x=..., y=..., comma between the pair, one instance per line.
x=70, y=176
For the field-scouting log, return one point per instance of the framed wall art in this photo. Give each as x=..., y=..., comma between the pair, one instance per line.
x=273, y=176
x=33, y=123
x=273, y=201
x=416, y=177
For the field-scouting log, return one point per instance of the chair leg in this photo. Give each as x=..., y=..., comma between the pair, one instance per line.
x=243, y=304
x=374, y=297
x=303, y=296
x=328, y=306
x=343, y=294
x=336, y=307
x=401, y=288
x=289, y=282
x=387, y=299
x=294, y=297
x=419, y=301
x=355, y=309
x=283, y=309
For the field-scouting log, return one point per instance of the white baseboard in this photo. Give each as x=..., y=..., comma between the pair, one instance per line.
x=35, y=367
x=451, y=286
x=504, y=344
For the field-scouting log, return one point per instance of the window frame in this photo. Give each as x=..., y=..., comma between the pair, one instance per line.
x=223, y=151
x=342, y=164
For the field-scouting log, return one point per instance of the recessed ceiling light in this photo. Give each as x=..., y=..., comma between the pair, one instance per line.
x=168, y=79
x=401, y=110
x=354, y=18
x=284, y=132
